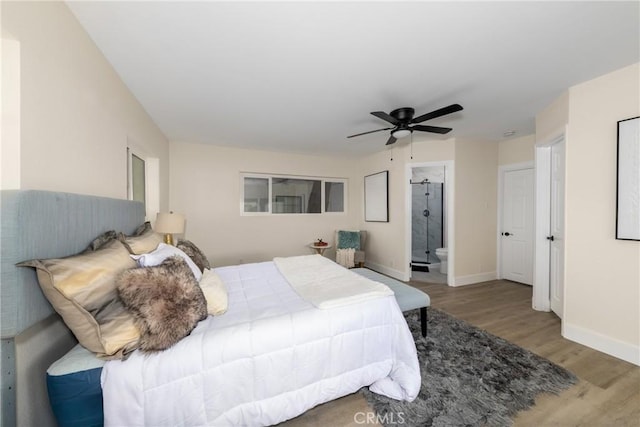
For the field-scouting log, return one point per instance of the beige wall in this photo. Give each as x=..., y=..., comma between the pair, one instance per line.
x=602, y=274
x=475, y=206
x=205, y=186
x=476, y=181
x=72, y=118
x=517, y=150
x=553, y=119
x=387, y=242
x=76, y=115
x=10, y=128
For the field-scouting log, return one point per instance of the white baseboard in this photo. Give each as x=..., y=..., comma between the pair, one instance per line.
x=474, y=278
x=611, y=346
x=396, y=274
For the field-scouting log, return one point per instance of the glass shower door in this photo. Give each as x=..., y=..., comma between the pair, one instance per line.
x=426, y=223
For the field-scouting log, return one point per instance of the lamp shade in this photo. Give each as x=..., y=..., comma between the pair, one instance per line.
x=169, y=223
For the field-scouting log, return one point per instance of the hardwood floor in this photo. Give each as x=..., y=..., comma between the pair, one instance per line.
x=608, y=393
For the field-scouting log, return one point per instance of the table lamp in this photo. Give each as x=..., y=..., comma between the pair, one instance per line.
x=169, y=224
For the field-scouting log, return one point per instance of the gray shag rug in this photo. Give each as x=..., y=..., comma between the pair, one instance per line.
x=469, y=377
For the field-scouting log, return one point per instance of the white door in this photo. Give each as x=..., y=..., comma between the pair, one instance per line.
x=556, y=232
x=517, y=226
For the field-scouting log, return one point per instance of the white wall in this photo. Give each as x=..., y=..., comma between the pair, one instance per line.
x=206, y=187
x=602, y=274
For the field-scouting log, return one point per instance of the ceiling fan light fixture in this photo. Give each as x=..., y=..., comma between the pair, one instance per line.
x=404, y=123
x=401, y=133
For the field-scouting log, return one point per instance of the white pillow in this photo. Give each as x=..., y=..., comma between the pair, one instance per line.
x=214, y=292
x=163, y=252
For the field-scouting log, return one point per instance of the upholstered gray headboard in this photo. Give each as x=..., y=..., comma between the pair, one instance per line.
x=42, y=224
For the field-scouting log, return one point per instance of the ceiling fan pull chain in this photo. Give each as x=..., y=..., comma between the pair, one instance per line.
x=411, y=146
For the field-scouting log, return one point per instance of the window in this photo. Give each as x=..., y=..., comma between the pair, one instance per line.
x=275, y=195
x=256, y=194
x=143, y=180
x=138, y=177
x=333, y=196
x=292, y=195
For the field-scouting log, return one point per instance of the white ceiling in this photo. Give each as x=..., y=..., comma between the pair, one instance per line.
x=301, y=76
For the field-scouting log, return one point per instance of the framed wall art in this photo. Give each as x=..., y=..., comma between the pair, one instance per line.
x=628, y=180
x=376, y=197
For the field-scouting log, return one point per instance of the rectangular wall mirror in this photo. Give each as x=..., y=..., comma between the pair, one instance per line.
x=628, y=196
x=376, y=197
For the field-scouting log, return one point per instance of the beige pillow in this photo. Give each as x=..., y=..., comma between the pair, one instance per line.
x=81, y=288
x=214, y=292
x=143, y=241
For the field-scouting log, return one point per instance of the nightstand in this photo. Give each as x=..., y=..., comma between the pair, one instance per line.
x=319, y=249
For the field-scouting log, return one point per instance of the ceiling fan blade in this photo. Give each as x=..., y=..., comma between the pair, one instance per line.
x=371, y=131
x=391, y=140
x=384, y=116
x=437, y=113
x=432, y=129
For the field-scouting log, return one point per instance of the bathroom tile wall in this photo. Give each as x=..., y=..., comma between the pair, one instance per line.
x=427, y=230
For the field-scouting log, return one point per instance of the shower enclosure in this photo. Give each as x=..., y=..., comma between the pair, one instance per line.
x=426, y=222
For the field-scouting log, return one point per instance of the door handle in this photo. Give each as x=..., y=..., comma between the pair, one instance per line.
x=507, y=234
x=550, y=238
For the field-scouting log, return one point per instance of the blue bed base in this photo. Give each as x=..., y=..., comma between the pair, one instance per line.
x=76, y=399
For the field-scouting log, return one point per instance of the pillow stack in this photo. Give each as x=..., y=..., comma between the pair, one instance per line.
x=114, y=307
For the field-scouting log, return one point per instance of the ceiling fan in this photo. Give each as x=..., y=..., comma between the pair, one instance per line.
x=402, y=119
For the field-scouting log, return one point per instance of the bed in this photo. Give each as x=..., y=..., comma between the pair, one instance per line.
x=42, y=224
x=269, y=358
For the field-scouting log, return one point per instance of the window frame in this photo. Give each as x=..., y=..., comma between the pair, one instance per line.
x=270, y=177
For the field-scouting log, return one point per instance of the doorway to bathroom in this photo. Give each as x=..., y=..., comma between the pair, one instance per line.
x=428, y=224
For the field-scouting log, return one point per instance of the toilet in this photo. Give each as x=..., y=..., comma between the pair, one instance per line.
x=442, y=254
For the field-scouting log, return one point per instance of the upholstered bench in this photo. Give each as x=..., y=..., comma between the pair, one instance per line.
x=408, y=297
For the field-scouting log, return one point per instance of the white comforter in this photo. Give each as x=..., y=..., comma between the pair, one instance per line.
x=271, y=357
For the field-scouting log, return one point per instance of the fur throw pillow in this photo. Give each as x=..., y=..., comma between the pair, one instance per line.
x=165, y=301
x=143, y=228
x=101, y=240
x=194, y=253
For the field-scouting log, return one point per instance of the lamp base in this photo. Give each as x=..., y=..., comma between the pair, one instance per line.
x=168, y=239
